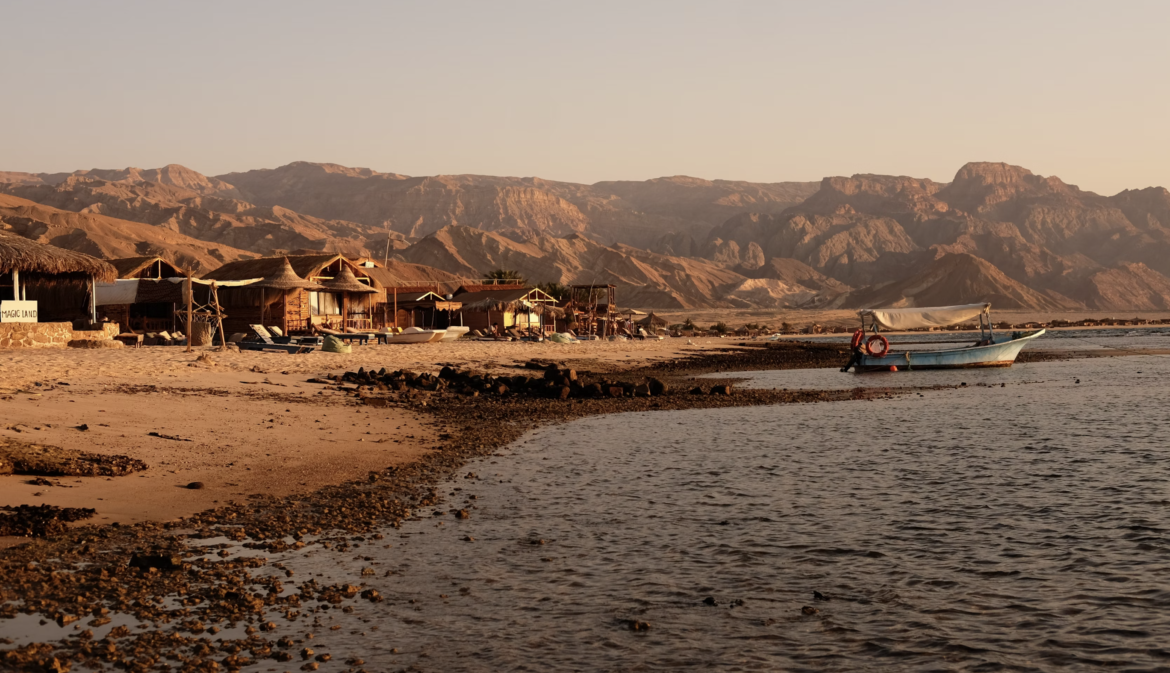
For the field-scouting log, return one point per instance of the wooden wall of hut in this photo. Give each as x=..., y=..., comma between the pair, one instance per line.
x=288, y=310
x=483, y=320
x=61, y=297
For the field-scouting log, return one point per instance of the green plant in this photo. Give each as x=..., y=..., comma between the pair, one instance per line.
x=689, y=324
x=785, y=327
x=512, y=277
x=751, y=325
x=554, y=290
x=720, y=327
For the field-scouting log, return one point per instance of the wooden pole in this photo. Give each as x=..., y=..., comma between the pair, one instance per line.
x=16, y=296
x=396, y=308
x=344, y=310
x=190, y=312
x=218, y=314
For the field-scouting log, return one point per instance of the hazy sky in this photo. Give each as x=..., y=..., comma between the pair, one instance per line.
x=589, y=91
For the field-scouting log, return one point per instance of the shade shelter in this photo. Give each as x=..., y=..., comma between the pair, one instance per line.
x=345, y=284
x=523, y=307
x=60, y=282
x=652, y=323
x=147, y=295
x=148, y=267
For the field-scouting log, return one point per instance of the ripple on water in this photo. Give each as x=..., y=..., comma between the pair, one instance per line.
x=1020, y=527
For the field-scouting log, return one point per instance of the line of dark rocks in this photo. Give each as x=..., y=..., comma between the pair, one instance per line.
x=90, y=572
x=556, y=381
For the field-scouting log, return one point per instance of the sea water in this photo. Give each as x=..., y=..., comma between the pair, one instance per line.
x=1021, y=526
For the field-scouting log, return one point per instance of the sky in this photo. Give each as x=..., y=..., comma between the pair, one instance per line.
x=584, y=92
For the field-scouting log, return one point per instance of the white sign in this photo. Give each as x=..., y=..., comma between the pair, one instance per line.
x=18, y=311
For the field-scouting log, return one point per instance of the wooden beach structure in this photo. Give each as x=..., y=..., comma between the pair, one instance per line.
x=153, y=303
x=425, y=309
x=345, y=285
x=592, y=309
x=56, y=285
x=295, y=309
x=508, y=306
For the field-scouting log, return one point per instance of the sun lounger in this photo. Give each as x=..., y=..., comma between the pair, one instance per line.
x=267, y=343
x=347, y=337
x=275, y=336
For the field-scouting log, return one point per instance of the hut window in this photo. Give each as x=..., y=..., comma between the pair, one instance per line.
x=324, y=303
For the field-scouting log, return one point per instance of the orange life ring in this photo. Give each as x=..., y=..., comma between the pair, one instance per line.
x=877, y=339
x=858, y=336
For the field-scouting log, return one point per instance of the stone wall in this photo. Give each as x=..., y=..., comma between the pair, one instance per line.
x=35, y=334
x=106, y=333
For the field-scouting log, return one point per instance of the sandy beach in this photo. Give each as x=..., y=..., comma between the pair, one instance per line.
x=244, y=423
x=240, y=423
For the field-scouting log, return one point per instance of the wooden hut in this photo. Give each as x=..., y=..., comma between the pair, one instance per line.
x=294, y=309
x=59, y=282
x=426, y=309
x=484, y=306
x=346, y=285
x=148, y=267
x=155, y=299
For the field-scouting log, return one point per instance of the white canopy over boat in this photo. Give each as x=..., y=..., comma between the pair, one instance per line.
x=911, y=318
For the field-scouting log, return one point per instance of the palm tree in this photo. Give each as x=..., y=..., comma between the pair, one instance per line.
x=508, y=277
x=555, y=290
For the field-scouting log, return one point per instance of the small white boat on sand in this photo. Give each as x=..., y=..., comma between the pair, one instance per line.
x=454, y=332
x=875, y=352
x=415, y=335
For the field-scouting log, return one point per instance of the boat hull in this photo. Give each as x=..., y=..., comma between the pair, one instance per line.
x=410, y=338
x=999, y=354
x=453, y=333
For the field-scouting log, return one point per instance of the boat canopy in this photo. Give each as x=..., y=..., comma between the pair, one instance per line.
x=911, y=318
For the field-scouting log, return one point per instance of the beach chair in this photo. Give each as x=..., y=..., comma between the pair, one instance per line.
x=278, y=337
x=348, y=337
x=269, y=345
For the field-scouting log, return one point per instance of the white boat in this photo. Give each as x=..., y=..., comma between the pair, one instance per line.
x=877, y=353
x=414, y=335
x=455, y=332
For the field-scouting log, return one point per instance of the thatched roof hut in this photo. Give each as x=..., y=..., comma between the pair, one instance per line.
x=651, y=321
x=20, y=254
x=305, y=266
x=148, y=267
x=304, y=300
x=345, y=281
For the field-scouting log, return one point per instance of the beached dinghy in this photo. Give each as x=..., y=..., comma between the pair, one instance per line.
x=414, y=335
x=873, y=352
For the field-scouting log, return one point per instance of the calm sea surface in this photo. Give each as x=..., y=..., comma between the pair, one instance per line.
x=1015, y=527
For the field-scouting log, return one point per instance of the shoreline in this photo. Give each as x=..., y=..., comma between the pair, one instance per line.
x=341, y=513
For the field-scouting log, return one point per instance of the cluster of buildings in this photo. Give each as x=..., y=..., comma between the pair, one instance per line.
x=295, y=293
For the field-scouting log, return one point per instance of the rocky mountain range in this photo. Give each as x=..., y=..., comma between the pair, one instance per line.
x=996, y=232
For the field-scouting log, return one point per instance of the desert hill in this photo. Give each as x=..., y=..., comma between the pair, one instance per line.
x=633, y=213
x=1034, y=241
x=108, y=237
x=214, y=219
x=955, y=279
x=1072, y=246
x=645, y=278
